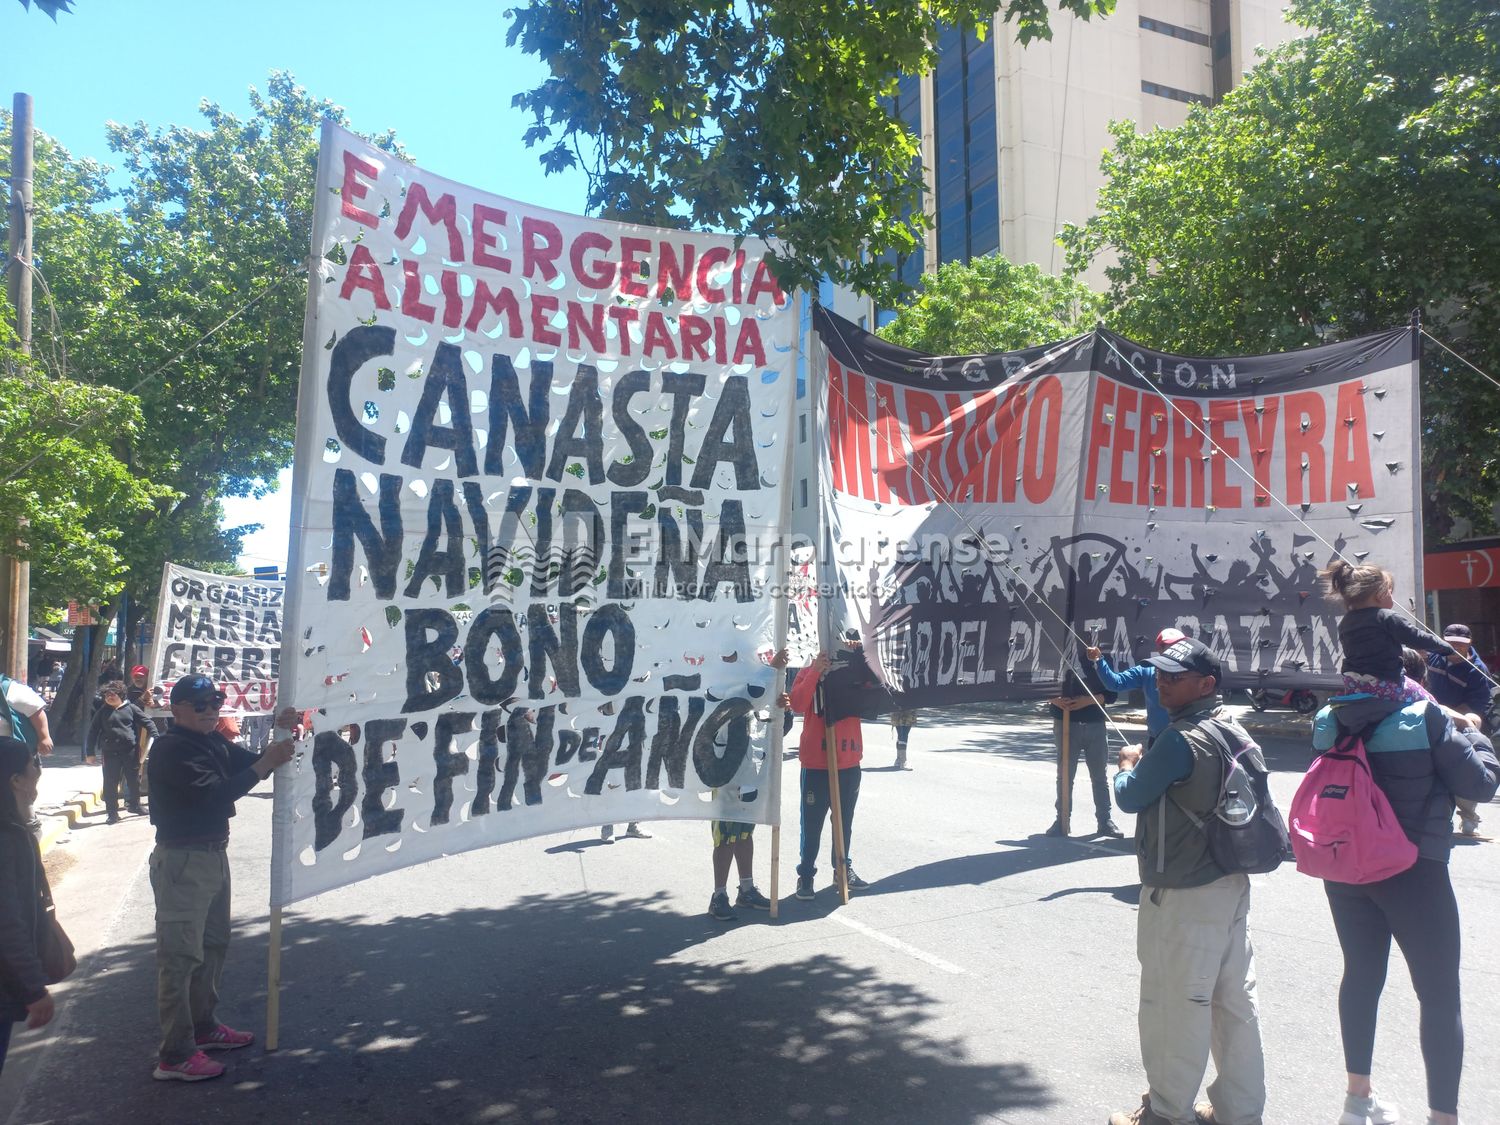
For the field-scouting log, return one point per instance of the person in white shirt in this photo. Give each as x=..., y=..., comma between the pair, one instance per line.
x=28, y=704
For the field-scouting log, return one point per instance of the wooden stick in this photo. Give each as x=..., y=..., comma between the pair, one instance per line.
x=273, y=982
x=1064, y=782
x=835, y=810
x=775, y=868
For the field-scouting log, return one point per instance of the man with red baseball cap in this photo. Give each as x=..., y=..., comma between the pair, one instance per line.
x=135, y=688
x=1142, y=678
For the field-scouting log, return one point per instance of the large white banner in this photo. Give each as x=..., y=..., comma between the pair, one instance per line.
x=540, y=471
x=224, y=627
x=989, y=512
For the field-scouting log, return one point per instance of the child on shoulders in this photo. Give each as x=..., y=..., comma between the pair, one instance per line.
x=1372, y=633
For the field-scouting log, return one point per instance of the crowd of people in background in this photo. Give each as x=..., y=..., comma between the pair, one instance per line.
x=1417, y=703
x=196, y=772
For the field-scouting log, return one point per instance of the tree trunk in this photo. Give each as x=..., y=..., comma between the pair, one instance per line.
x=71, y=711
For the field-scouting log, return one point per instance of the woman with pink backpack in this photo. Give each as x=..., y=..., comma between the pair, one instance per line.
x=1419, y=759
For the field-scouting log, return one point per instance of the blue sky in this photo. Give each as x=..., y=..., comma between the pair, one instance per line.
x=438, y=73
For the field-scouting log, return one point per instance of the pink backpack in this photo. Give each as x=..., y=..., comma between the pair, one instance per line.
x=1343, y=826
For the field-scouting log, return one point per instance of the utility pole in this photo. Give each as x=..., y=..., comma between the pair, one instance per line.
x=15, y=574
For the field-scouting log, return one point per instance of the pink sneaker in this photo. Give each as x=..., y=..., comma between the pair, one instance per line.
x=224, y=1038
x=196, y=1069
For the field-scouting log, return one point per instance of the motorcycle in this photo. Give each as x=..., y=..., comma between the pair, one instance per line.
x=1299, y=700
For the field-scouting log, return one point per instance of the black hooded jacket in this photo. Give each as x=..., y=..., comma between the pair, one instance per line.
x=22, y=914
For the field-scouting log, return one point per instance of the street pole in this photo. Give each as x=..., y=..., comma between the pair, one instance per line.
x=15, y=573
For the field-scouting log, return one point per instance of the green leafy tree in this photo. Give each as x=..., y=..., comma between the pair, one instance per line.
x=219, y=224
x=992, y=305
x=1352, y=178
x=58, y=441
x=185, y=290
x=763, y=118
x=62, y=428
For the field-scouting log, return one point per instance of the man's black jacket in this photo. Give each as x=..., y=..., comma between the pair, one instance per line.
x=195, y=781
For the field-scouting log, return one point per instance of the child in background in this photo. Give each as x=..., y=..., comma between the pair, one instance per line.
x=1372, y=633
x=901, y=722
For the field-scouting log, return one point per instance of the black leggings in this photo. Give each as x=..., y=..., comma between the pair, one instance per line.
x=1418, y=909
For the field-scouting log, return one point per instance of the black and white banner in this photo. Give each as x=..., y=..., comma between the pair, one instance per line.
x=986, y=512
x=539, y=486
x=226, y=628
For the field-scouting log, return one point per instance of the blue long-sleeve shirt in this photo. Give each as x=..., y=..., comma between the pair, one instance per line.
x=1142, y=677
x=1168, y=760
x=1464, y=686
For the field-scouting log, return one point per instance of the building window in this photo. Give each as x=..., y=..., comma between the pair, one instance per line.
x=1219, y=28
x=1162, y=28
x=968, y=196
x=802, y=428
x=1175, y=94
x=802, y=491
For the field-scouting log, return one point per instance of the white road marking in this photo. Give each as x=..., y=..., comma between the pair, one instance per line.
x=897, y=944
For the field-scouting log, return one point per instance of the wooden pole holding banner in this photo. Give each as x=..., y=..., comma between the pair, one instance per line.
x=836, y=813
x=1064, y=785
x=303, y=455
x=782, y=554
x=273, y=982
x=775, y=870
x=777, y=736
x=835, y=804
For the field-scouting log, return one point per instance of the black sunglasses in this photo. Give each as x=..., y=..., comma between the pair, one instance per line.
x=202, y=705
x=1177, y=677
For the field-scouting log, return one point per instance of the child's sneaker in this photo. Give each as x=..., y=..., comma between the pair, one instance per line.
x=1369, y=1111
x=196, y=1068
x=224, y=1038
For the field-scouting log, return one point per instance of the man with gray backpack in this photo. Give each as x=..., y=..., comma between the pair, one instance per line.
x=1204, y=820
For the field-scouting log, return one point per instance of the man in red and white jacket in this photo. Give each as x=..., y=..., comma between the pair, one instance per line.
x=813, y=755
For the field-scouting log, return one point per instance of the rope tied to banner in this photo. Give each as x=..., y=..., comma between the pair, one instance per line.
x=1203, y=431
x=1193, y=424
x=1025, y=583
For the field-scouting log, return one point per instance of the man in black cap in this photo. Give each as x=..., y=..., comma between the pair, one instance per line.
x=196, y=776
x=1462, y=683
x=1193, y=941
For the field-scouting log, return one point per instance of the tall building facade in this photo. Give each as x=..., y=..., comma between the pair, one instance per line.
x=1012, y=136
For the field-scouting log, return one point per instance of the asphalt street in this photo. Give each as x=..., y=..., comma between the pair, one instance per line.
x=987, y=975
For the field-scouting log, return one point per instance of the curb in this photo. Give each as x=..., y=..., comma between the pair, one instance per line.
x=1284, y=726
x=54, y=829
x=80, y=805
x=59, y=821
